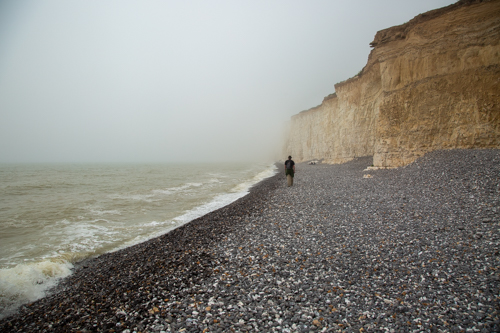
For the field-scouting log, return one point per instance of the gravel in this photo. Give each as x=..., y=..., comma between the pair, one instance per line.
x=344, y=250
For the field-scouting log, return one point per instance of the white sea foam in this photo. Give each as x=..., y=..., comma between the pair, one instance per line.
x=140, y=197
x=245, y=186
x=225, y=199
x=177, y=189
x=82, y=238
x=155, y=224
x=43, y=235
x=105, y=212
x=28, y=282
x=218, y=202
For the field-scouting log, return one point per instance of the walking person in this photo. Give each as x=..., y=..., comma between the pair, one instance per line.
x=289, y=170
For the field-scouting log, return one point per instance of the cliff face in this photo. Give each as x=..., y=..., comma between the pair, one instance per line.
x=432, y=83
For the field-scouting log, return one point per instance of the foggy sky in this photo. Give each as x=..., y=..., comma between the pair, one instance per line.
x=174, y=81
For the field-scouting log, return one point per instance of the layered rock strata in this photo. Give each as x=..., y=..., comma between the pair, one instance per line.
x=432, y=83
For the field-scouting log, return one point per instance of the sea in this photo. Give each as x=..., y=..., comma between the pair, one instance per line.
x=53, y=216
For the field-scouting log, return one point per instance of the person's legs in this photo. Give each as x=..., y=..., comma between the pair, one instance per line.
x=289, y=177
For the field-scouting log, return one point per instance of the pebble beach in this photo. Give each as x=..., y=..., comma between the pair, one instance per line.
x=346, y=249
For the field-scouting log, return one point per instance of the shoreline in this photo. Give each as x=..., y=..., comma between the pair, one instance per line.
x=171, y=238
x=87, y=261
x=206, y=217
x=42, y=258
x=409, y=248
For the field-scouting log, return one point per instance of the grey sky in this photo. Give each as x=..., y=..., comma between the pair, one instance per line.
x=159, y=81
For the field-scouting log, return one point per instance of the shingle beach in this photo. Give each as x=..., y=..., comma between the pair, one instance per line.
x=344, y=250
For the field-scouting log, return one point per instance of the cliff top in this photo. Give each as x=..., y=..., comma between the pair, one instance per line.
x=401, y=31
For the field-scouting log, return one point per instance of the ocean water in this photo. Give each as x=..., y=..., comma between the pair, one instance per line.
x=52, y=216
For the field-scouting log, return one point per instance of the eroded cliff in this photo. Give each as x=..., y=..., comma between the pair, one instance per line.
x=432, y=83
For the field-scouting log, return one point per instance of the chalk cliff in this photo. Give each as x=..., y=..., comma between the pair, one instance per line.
x=431, y=83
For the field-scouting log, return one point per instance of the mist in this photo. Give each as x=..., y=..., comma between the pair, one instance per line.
x=174, y=81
